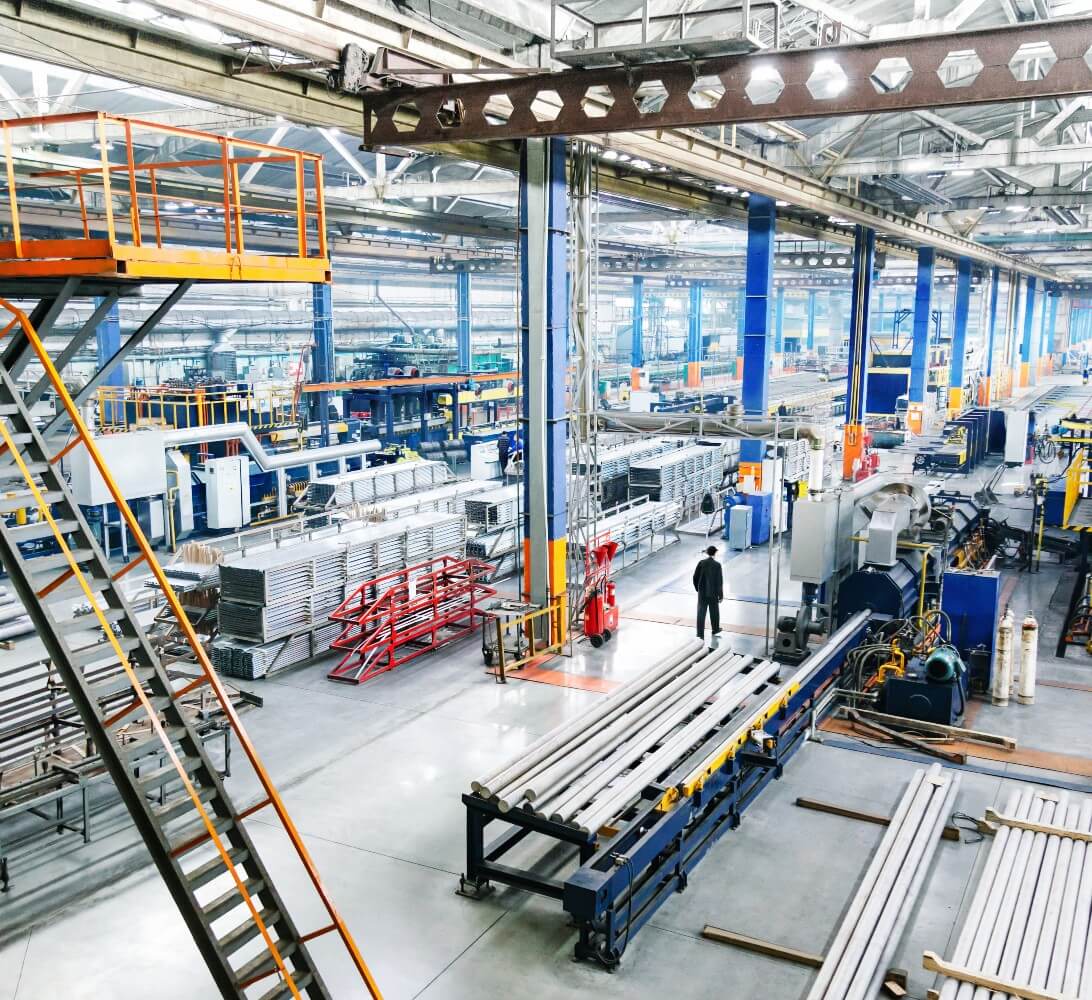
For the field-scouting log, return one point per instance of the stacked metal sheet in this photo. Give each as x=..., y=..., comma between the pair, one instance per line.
x=267, y=577
x=272, y=602
x=492, y=544
x=614, y=462
x=449, y=499
x=370, y=485
x=630, y=526
x=493, y=509
x=678, y=475
x=236, y=658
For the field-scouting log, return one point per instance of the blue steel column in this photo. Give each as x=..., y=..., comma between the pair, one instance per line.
x=864, y=257
x=694, y=353
x=985, y=393
x=1041, y=351
x=322, y=355
x=741, y=323
x=761, y=232
x=463, y=327
x=960, y=316
x=543, y=220
x=1014, y=328
x=107, y=344
x=1052, y=322
x=919, y=344
x=811, y=320
x=779, y=321
x=1029, y=323
x=637, y=341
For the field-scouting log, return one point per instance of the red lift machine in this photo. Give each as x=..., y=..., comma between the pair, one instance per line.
x=600, y=606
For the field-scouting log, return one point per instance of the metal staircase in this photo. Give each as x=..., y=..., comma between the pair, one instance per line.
x=170, y=786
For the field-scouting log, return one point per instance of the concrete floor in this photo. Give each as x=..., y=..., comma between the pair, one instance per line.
x=372, y=776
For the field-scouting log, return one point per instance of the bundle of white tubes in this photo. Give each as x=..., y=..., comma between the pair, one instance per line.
x=589, y=770
x=1028, y=923
x=865, y=943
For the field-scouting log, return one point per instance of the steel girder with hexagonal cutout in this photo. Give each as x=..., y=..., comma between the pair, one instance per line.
x=1012, y=63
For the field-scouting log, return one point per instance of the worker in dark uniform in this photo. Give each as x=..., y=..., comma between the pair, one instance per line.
x=709, y=583
x=502, y=452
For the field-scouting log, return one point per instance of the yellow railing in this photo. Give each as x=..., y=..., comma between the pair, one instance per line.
x=208, y=675
x=1076, y=480
x=538, y=633
x=122, y=408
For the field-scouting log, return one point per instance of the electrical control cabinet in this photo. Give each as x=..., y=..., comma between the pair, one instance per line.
x=227, y=492
x=1016, y=436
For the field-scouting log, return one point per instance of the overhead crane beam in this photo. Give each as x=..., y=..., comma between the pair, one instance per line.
x=67, y=37
x=834, y=81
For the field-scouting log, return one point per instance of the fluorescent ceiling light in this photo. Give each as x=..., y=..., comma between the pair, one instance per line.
x=1016, y=208
x=204, y=31
x=963, y=172
x=140, y=11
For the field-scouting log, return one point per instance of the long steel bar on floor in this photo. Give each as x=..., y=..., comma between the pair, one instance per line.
x=690, y=771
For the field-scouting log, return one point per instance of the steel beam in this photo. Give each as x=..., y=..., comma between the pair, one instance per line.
x=543, y=318
x=919, y=347
x=322, y=356
x=637, y=332
x=695, y=352
x=107, y=344
x=779, y=321
x=1026, y=346
x=1041, y=350
x=761, y=234
x=811, y=319
x=959, y=337
x=797, y=83
x=67, y=37
x=864, y=255
x=463, y=322
x=985, y=397
x=1052, y=323
x=997, y=154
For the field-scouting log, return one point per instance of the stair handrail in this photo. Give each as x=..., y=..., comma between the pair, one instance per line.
x=273, y=798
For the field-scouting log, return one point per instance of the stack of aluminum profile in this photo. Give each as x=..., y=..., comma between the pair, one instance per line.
x=370, y=485
x=236, y=658
x=678, y=475
x=267, y=577
x=273, y=604
x=277, y=593
x=634, y=524
x=614, y=462
x=449, y=499
x=493, y=509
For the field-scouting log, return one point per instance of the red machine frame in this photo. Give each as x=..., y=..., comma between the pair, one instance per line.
x=401, y=615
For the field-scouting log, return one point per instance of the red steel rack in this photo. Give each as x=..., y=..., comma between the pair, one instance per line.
x=404, y=614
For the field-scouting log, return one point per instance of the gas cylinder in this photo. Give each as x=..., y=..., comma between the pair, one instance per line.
x=1029, y=654
x=1002, y=672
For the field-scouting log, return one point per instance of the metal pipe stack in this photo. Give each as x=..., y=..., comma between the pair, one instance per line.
x=591, y=770
x=869, y=933
x=1028, y=922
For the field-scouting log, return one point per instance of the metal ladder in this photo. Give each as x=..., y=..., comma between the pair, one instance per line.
x=170, y=786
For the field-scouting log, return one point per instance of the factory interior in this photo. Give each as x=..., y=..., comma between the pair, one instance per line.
x=571, y=498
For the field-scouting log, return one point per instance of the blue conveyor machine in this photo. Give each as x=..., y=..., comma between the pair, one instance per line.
x=613, y=879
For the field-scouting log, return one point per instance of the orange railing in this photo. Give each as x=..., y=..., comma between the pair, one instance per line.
x=135, y=191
